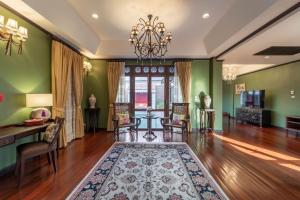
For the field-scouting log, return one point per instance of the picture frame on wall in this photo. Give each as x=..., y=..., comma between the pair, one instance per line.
x=239, y=88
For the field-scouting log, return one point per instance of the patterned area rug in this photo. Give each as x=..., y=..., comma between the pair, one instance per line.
x=148, y=171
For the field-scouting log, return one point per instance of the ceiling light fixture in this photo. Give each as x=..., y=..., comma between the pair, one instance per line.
x=149, y=39
x=95, y=16
x=267, y=57
x=12, y=34
x=205, y=15
x=229, y=73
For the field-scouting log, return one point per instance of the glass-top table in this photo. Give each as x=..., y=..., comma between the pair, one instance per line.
x=149, y=133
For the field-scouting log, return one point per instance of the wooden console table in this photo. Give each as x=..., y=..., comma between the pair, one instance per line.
x=9, y=134
x=293, y=124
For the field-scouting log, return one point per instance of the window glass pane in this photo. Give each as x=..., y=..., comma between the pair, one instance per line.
x=153, y=69
x=158, y=92
x=138, y=69
x=141, y=92
x=171, y=69
x=140, y=114
x=161, y=69
x=146, y=69
x=127, y=69
x=156, y=122
x=124, y=90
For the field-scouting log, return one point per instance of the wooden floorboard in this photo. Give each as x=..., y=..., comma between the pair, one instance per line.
x=248, y=162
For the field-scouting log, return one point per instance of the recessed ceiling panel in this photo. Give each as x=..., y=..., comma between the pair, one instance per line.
x=279, y=51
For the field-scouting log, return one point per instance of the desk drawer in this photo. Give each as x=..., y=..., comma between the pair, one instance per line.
x=7, y=140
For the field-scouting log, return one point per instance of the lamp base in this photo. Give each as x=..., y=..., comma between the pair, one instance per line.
x=40, y=113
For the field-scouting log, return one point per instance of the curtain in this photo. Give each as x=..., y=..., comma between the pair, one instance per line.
x=70, y=111
x=123, y=95
x=177, y=90
x=114, y=73
x=61, y=63
x=183, y=70
x=67, y=74
x=77, y=78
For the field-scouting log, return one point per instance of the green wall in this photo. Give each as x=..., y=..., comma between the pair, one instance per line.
x=216, y=91
x=199, y=83
x=277, y=82
x=20, y=74
x=96, y=83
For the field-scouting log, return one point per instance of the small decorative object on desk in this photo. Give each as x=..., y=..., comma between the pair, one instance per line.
x=207, y=101
x=92, y=100
x=33, y=122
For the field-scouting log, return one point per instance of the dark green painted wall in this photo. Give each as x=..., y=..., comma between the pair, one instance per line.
x=20, y=74
x=216, y=90
x=96, y=83
x=278, y=82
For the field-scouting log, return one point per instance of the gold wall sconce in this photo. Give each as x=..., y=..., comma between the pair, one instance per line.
x=87, y=66
x=12, y=34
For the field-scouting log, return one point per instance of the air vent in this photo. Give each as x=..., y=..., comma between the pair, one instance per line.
x=279, y=51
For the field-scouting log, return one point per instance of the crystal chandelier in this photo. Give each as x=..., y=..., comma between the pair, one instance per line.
x=149, y=38
x=12, y=34
x=229, y=73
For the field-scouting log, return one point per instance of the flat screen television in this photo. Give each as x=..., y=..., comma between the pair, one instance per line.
x=253, y=98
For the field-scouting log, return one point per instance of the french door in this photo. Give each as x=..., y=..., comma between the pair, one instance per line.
x=151, y=87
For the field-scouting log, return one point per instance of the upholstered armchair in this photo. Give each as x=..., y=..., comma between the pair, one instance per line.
x=179, y=118
x=123, y=118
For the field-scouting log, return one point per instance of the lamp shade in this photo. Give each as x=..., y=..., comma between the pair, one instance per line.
x=1, y=22
x=38, y=100
x=23, y=33
x=12, y=26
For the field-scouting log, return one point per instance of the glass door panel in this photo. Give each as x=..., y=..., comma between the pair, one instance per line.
x=141, y=93
x=158, y=93
x=141, y=99
x=157, y=100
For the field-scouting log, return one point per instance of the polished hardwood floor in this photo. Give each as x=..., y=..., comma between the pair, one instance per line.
x=248, y=162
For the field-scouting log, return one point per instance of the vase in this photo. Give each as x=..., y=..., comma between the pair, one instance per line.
x=92, y=100
x=207, y=101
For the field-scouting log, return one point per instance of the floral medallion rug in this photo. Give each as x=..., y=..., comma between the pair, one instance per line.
x=148, y=171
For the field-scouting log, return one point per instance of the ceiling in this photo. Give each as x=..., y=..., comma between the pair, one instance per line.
x=284, y=33
x=193, y=36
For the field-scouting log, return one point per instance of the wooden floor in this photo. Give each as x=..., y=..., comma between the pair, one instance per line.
x=248, y=163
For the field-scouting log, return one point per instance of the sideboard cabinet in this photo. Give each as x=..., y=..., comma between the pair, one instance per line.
x=259, y=116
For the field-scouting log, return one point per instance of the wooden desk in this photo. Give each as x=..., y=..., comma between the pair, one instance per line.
x=9, y=134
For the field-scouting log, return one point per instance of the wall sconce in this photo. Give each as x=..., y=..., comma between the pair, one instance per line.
x=12, y=34
x=87, y=66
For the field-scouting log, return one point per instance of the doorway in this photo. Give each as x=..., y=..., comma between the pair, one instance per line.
x=151, y=86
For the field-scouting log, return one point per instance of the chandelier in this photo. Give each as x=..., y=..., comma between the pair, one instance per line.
x=149, y=38
x=229, y=73
x=12, y=34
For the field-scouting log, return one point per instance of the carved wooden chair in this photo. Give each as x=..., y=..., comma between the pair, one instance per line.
x=179, y=118
x=33, y=149
x=123, y=118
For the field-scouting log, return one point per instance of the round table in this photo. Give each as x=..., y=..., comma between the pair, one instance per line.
x=149, y=133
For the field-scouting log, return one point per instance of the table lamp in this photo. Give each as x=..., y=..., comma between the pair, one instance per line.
x=39, y=102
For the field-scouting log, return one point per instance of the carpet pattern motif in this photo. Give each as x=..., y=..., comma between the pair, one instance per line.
x=148, y=171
